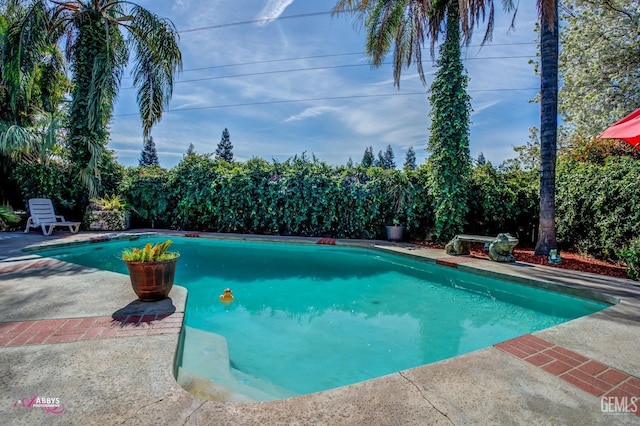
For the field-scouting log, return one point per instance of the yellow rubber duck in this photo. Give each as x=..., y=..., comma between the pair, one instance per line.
x=226, y=296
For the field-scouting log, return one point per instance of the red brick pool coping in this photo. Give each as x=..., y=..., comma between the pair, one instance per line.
x=91, y=328
x=590, y=375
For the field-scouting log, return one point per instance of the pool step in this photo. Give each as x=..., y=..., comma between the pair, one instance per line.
x=207, y=373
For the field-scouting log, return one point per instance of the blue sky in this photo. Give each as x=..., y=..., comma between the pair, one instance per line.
x=285, y=86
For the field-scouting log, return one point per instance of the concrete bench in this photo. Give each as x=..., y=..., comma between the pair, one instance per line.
x=500, y=247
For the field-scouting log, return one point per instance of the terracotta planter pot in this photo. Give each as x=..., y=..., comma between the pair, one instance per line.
x=152, y=281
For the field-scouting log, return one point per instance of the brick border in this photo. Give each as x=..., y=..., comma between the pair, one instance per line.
x=91, y=328
x=327, y=241
x=591, y=376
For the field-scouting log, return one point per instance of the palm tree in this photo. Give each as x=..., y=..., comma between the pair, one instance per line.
x=93, y=33
x=406, y=24
x=30, y=98
x=549, y=42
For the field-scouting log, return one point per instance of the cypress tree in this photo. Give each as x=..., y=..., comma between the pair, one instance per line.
x=388, y=158
x=224, y=150
x=350, y=163
x=149, y=154
x=368, y=159
x=410, y=159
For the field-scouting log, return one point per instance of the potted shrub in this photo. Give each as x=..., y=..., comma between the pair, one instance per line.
x=399, y=194
x=152, y=270
x=107, y=214
x=395, y=231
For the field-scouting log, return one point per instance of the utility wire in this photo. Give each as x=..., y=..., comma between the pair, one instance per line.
x=255, y=21
x=332, y=55
x=312, y=69
x=305, y=15
x=333, y=98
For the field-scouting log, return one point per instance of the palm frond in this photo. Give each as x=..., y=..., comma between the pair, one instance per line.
x=7, y=215
x=107, y=70
x=157, y=60
x=16, y=140
x=25, y=40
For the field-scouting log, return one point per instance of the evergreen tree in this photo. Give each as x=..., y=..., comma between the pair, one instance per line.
x=481, y=161
x=368, y=159
x=224, y=150
x=410, y=159
x=380, y=161
x=149, y=155
x=191, y=150
x=350, y=163
x=450, y=160
x=388, y=158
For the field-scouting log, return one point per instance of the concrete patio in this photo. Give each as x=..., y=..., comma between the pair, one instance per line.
x=77, y=336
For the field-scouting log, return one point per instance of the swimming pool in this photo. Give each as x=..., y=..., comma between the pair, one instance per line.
x=308, y=318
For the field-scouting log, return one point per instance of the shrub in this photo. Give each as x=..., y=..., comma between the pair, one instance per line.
x=597, y=205
x=145, y=191
x=502, y=199
x=631, y=256
x=53, y=181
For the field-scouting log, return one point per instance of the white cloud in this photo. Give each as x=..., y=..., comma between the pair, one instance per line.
x=477, y=109
x=311, y=112
x=260, y=110
x=272, y=10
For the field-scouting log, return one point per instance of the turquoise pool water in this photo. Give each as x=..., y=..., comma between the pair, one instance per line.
x=308, y=318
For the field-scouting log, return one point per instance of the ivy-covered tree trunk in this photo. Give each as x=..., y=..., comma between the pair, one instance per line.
x=450, y=160
x=95, y=59
x=548, y=133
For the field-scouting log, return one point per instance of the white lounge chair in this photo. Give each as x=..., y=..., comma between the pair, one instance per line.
x=43, y=215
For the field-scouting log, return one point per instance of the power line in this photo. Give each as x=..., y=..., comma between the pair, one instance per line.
x=332, y=55
x=312, y=69
x=333, y=98
x=255, y=21
x=268, y=61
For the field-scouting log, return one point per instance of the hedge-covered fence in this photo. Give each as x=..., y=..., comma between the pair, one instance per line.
x=296, y=197
x=596, y=204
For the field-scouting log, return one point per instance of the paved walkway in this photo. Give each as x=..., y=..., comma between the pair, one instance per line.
x=590, y=375
x=77, y=348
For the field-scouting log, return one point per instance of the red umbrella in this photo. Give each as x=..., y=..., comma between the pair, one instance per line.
x=627, y=129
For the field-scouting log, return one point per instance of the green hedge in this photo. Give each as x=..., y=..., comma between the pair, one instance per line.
x=597, y=206
x=53, y=181
x=300, y=196
x=503, y=200
x=146, y=190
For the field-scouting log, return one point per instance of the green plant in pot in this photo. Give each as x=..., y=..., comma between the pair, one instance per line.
x=107, y=214
x=400, y=196
x=152, y=270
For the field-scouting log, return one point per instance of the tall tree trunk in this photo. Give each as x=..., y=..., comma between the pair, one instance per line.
x=548, y=133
